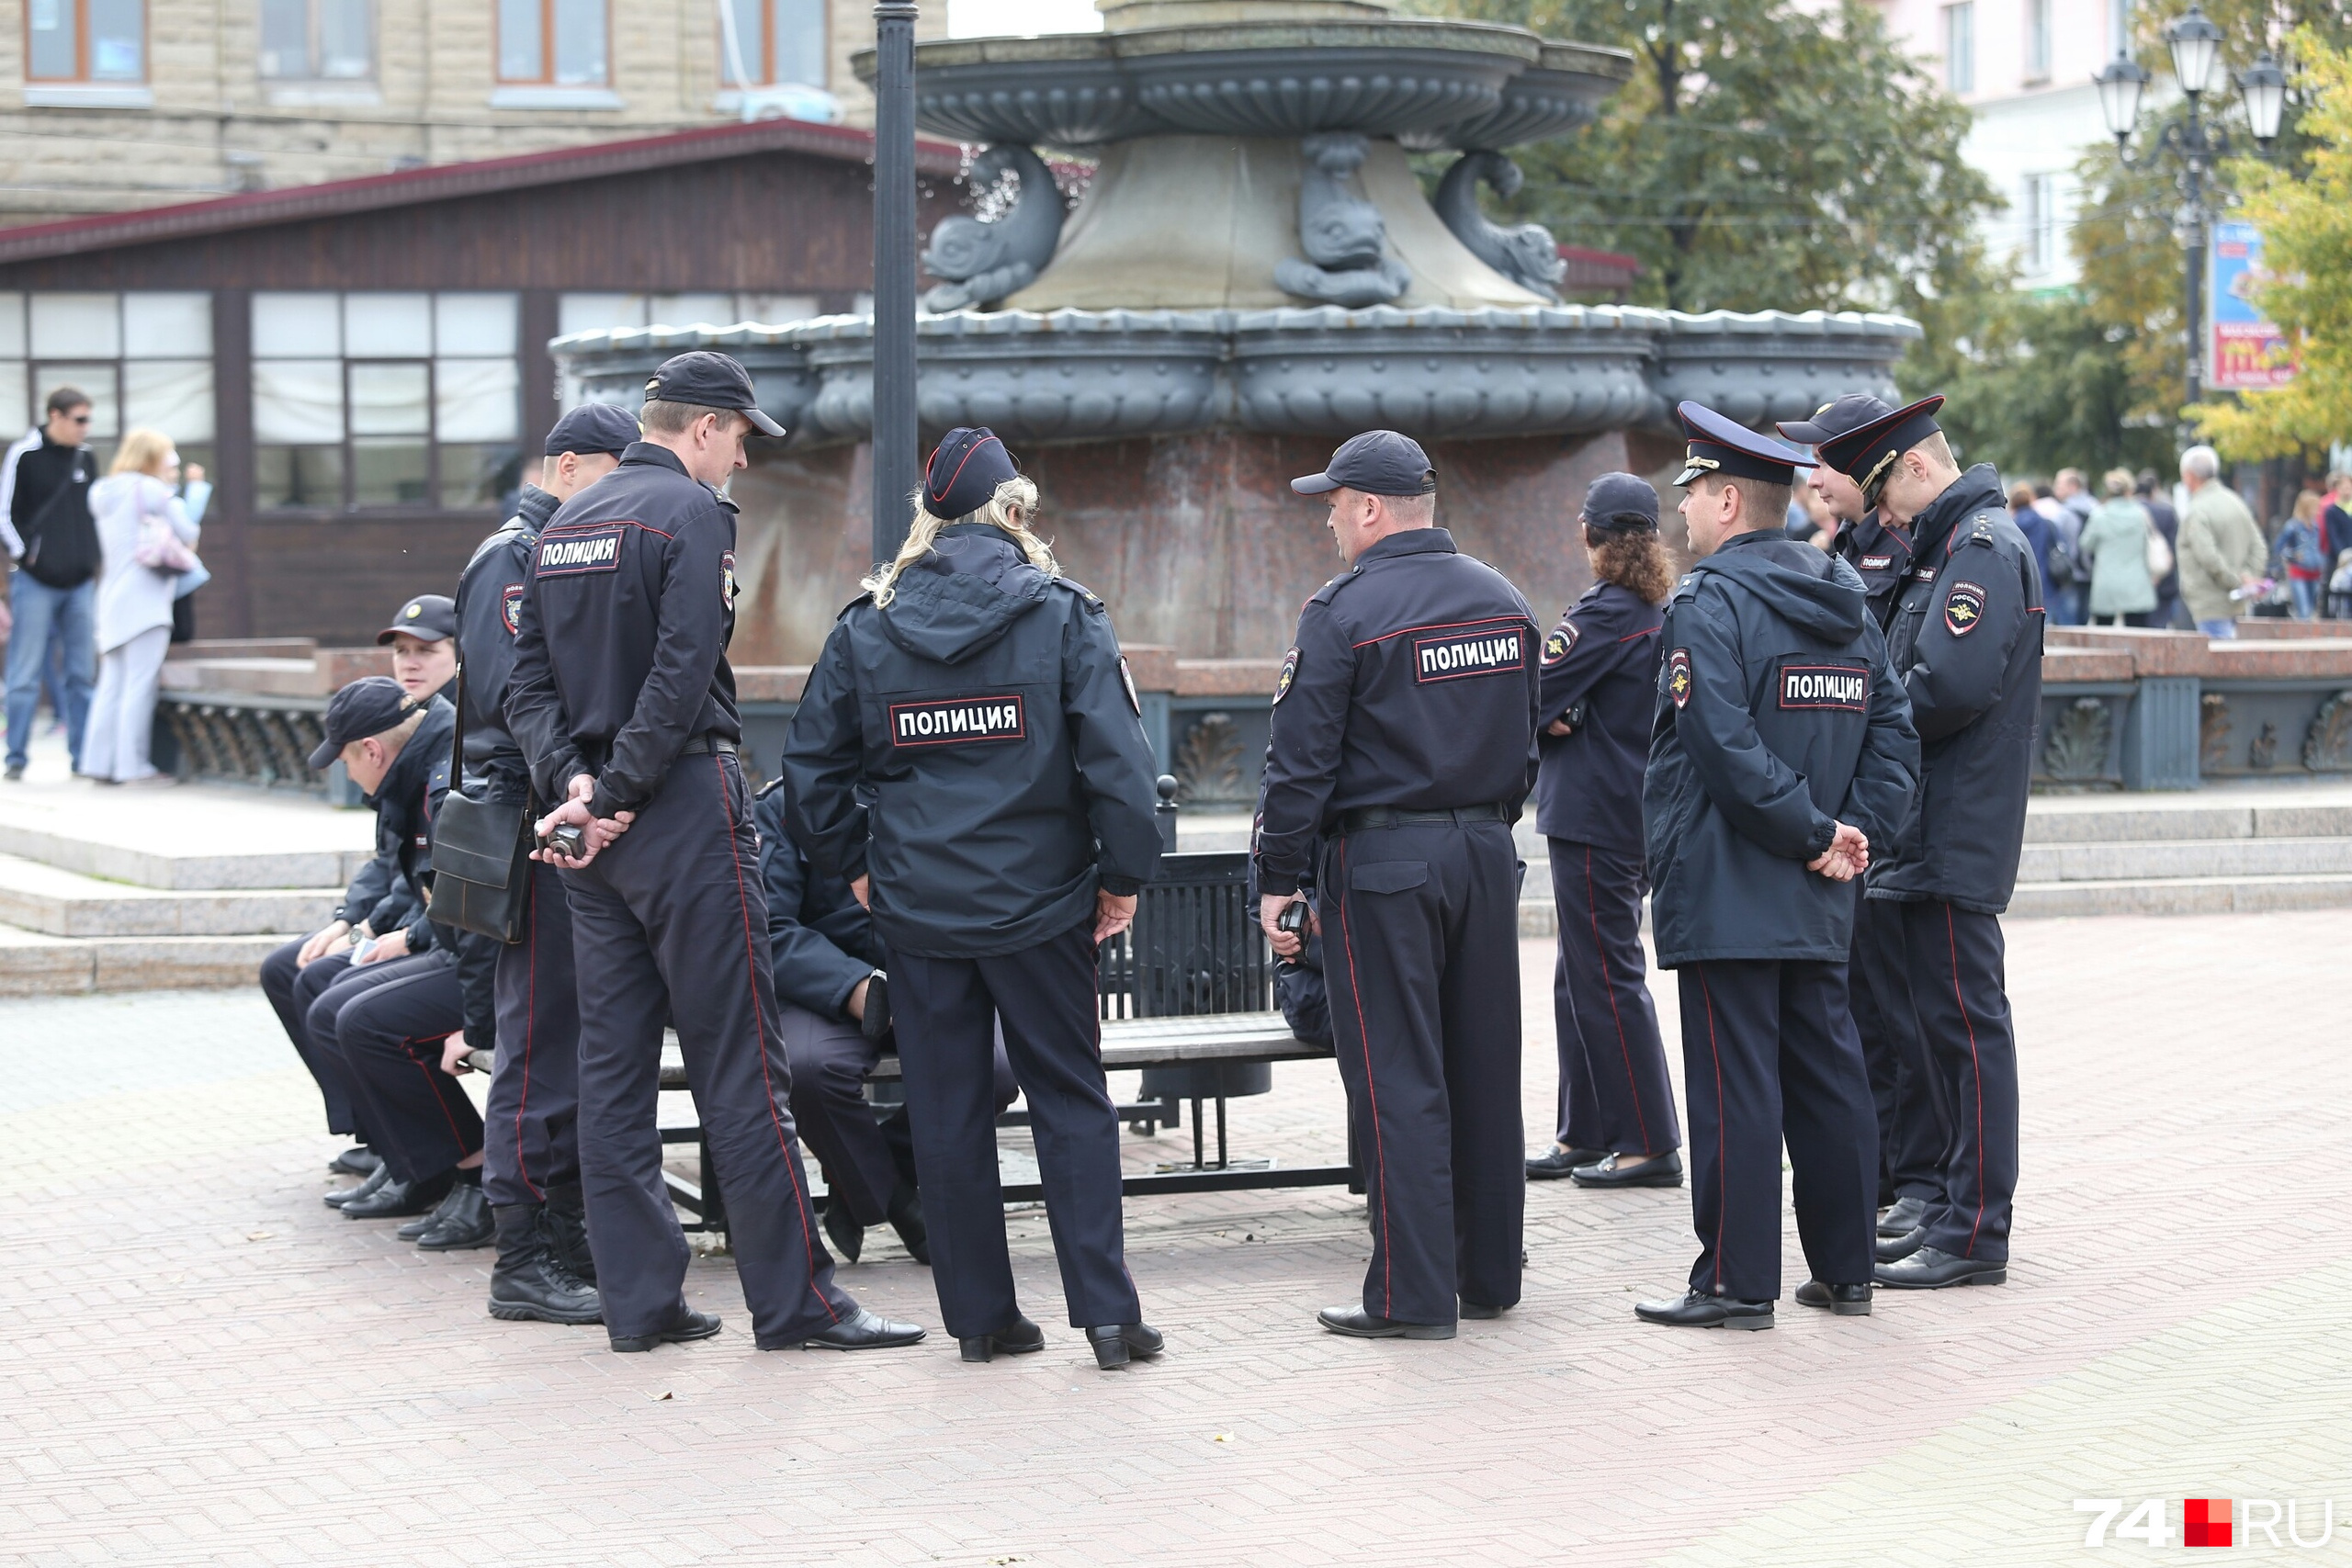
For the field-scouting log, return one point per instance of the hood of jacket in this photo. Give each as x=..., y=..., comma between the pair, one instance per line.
x=963, y=596
x=1978, y=490
x=1812, y=589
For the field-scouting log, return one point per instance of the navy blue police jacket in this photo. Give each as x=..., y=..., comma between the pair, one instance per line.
x=1880, y=554
x=1600, y=677
x=1411, y=683
x=406, y=804
x=1966, y=643
x=1777, y=718
x=989, y=714
x=820, y=939
x=620, y=646
x=489, y=614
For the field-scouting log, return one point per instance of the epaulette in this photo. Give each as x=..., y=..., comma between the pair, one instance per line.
x=511, y=529
x=1324, y=594
x=1082, y=590
x=865, y=598
x=762, y=793
x=1685, y=586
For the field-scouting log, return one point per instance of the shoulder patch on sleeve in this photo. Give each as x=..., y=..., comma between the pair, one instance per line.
x=1964, y=608
x=1563, y=639
x=1286, y=674
x=1127, y=680
x=1678, y=676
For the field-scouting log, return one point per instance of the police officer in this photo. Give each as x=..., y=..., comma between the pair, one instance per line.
x=1913, y=1124
x=981, y=698
x=1403, y=732
x=1966, y=643
x=1781, y=749
x=544, y=1269
x=624, y=706
x=1617, y=1125
x=423, y=640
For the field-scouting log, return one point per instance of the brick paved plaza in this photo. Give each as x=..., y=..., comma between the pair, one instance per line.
x=203, y=1364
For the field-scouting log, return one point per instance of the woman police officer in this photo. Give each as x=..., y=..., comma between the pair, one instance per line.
x=975, y=700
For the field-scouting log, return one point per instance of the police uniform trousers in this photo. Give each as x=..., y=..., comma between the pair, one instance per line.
x=1913, y=1124
x=533, y=1109
x=668, y=926
x=1768, y=1054
x=1420, y=953
x=864, y=1157
x=1960, y=985
x=389, y=1036
x=1614, y=1093
x=942, y=1010
x=293, y=993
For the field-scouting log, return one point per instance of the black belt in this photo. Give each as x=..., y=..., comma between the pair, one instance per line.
x=1368, y=817
x=703, y=745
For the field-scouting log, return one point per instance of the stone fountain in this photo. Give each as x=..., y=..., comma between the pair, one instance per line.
x=1252, y=271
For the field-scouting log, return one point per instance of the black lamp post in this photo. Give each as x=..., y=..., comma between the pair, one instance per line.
x=2195, y=144
x=897, y=467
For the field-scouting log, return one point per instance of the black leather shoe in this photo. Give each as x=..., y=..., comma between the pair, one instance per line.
x=906, y=1218
x=461, y=1224
x=1696, y=1309
x=862, y=1330
x=1480, y=1311
x=1844, y=1301
x=1114, y=1342
x=566, y=1219
x=396, y=1199
x=687, y=1324
x=1658, y=1170
x=1358, y=1324
x=1928, y=1269
x=530, y=1282
x=1891, y=1248
x=1905, y=1215
x=367, y=1187
x=1560, y=1162
x=425, y=1221
x=356, y=1160
x=842, y=1230
x=1022, y=1338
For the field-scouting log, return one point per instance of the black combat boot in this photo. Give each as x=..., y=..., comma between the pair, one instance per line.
x=530, y=1281
x=566, y=1221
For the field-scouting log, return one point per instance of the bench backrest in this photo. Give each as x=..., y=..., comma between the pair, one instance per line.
x=1195, y=946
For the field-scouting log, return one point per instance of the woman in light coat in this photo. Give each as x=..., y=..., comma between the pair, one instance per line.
x=2114, y=544
x=137, y=503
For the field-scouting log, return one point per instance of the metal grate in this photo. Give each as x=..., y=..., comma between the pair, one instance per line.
x=1195, y=946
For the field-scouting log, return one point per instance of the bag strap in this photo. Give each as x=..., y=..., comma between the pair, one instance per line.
x=458, y=731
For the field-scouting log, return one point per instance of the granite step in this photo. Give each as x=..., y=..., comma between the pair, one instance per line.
x=35, y=964
x=2171, y=859
x=2180, y=895
x=50, y=899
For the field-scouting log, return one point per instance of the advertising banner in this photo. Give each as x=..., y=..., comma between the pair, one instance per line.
x=2247, y=353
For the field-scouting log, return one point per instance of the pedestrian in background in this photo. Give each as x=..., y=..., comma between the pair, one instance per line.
x=2301, y=551
x=2221, y=549
x=45, y=521
x=146, y=541
x=2073, y=509
x=2166, y=522
x=2335, y=522
x=2034, y=526
x=2115, y=548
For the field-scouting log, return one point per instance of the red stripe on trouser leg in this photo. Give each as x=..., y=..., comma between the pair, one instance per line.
x=1975, y=1073
x=1722, y=1191
x=1625, y=1051
x=1372, y=1095
x=530, y=1028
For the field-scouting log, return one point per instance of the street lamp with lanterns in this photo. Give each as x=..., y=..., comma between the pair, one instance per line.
x=2196, y=144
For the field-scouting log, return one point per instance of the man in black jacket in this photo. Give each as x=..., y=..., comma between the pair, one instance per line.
x=53, y=546
x=1782, y=750
x=1966, y=643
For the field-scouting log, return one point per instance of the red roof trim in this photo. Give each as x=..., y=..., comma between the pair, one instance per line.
x=443, y=182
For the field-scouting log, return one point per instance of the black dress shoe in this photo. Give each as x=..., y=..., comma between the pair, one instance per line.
x=906, y=1218
x=397, y=1199
x=842, y=1230
x=1928, y=1269
x=531, y=1282
x=1844, y=1301
x=367, y=1187
x=687, y=1324
x=566, y=1219
x=1890, y=1247
x=862, y=1330
x=1020, y=1339
x=1696, y=1309
x=461, y=1224
x=1906, y=1215
x=1658, y=1170
x=356, y=1160
x=1560, y=1162
x=1358, y=1324
x=1114, y=1342
x=1480, y=1311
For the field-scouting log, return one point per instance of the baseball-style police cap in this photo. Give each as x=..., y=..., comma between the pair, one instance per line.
x=1849, y=412
x=1378, y=462
x=711, y=381
x=370, y=705
x=431, y=617
x=1621, y=502
x=593, y=427
x=1729, y=450
x=1865, y=453
x=964, y=472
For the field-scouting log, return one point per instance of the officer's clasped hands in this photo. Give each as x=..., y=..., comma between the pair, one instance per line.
x=596, y=832
x=1112, y=914
x=1848, y=856
x=1286, y=941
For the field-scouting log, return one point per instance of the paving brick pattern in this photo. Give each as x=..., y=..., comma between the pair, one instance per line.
x=202, y=1364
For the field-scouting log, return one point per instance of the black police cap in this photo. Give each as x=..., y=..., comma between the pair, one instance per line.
x=1621, y=502
x=964, y=472
x=709, y=380
x=370, y=705
x=431, y=616
x=1730, y=450
x=1867, y=452
x=593, y=427
x=1378, y=462
x=1834, y=418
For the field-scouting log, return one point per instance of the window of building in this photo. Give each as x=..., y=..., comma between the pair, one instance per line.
x=143, y=359
x=2036, y=40
x=318, y=40
x=765, y=43
x=593, y=312
x=384, y=400
x=86, y=40
x=2040, y=209
x=1960, y=49
x=554, y=43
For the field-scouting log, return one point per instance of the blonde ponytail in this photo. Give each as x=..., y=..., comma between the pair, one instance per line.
x=1017, y=495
